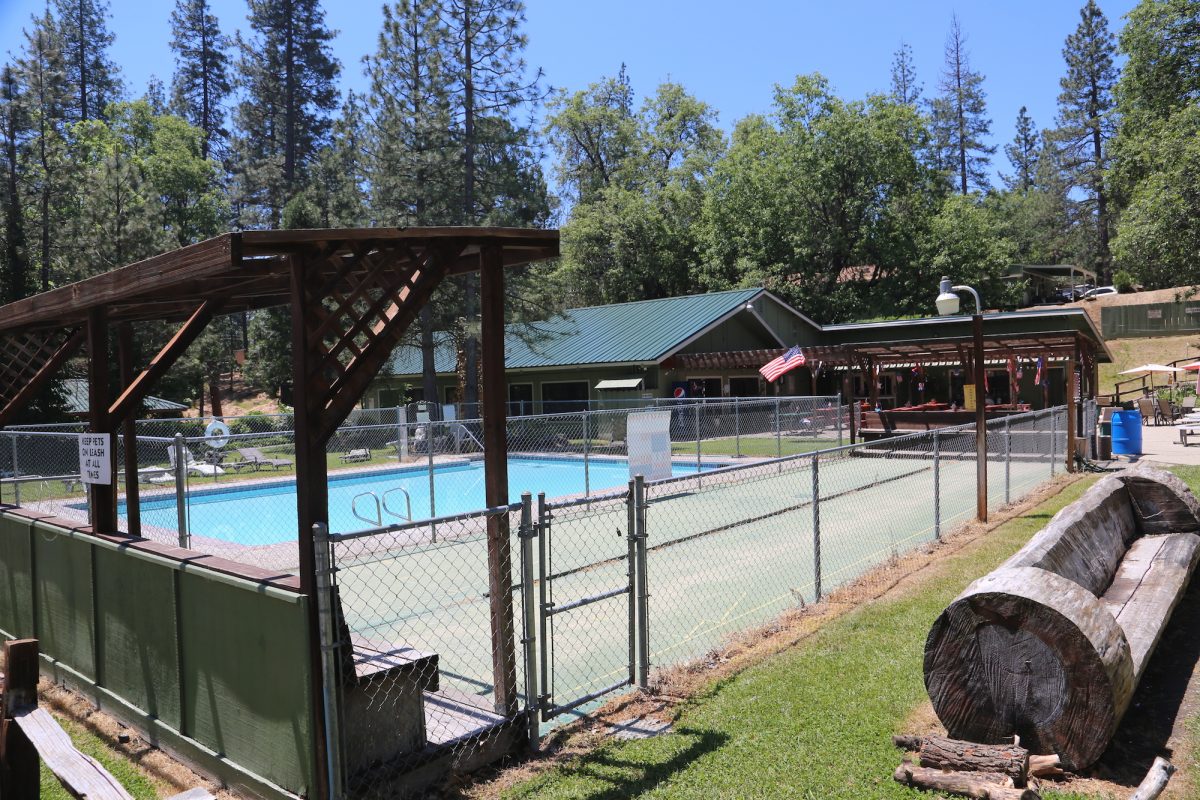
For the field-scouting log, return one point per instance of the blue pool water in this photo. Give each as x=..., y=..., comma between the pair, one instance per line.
x=266, y=513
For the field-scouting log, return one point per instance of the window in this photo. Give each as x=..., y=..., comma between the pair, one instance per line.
x=520, y=398
x=564, y=396
x=744, y=387
x=703, y=387
x=389, y=398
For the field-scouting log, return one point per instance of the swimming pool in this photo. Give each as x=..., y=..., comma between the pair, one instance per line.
x=265, y=513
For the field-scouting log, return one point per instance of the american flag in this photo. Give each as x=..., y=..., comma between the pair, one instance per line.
x=785, y=363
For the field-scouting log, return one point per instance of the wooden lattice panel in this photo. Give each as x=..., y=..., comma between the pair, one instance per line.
x=359, y=298
x=27, y=360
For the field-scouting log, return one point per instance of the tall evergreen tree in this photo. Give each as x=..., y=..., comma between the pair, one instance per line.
x=202, y=81
x=1023, y=154
x=43, y=73
x=288, y=71
x=905, y=88
x=94, y=79
x=960, y=122
x=14, y=132
x=490, y=92
x=1085, y=119
x=411, y=166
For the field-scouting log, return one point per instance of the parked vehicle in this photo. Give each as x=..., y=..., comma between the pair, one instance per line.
x=1068, y=293
x=1099, y=291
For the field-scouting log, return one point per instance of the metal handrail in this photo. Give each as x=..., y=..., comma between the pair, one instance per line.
x=378, y=520
x=407, y=499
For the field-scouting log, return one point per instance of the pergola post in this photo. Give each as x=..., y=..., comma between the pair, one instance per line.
x=312, y=501
x=103, y=503
x=133, y=508
x=495, y=465
x=1071, y=407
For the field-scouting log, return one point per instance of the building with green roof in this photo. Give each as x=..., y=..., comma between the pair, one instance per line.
x=711, y=345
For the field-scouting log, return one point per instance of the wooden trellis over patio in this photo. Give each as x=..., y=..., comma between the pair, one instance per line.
x=352, y=293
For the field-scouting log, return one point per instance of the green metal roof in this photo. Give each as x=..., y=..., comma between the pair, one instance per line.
x=644, y=331
x=75, y=396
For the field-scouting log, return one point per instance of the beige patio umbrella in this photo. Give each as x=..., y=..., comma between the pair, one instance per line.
x=1151, y=369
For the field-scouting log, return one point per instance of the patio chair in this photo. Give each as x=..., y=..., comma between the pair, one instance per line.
x=359, y=454
x=1166, y=413
x=193, y=466
x=255, y=457
x=1147, y=410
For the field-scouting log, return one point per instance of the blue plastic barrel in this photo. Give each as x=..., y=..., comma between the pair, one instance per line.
x=1127, y=433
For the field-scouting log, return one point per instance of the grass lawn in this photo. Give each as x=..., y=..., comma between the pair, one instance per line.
x=134, y=781
x=812, y=722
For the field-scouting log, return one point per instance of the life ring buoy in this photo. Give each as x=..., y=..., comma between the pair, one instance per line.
x=217, y=434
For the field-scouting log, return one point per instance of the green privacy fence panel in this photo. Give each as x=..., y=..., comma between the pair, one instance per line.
x=213, y=664
x=1151, y=319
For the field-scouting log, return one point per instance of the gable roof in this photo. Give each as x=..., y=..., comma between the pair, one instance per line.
x=75, y=397
x=643, y=331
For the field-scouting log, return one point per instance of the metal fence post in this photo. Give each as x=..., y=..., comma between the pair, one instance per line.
x=543, y=603
x=838, y=415
x=778, y=431
x=643, y=585
x=401, y=434
x=587, y=449
x=937, y=487
x=698, y=404
x=16, y=473
x=737, y=428
x=181, y=520
x=323, y=562
x=1007, y=461
x=816, y=525
x=631, y=530
x=1053, y=441
x=432, y=501
x=529, y=606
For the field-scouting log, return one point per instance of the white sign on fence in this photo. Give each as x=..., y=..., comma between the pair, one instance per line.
x=94, y=465
x=648, y=436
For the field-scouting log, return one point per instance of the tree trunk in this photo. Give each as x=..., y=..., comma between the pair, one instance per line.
x=978, y=785
x=953, y=754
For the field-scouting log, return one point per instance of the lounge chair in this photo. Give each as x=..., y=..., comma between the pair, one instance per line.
x=193, y=466
x=360, y=454
x=255, y=457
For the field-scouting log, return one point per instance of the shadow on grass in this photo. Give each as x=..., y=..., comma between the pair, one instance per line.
x=620, y=777
x=1158, y=701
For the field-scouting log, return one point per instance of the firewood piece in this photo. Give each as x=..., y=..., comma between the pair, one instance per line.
x=959, y=756
x=909, y=742
x=1155, y=781
x=977, y=785
x=1045, y=766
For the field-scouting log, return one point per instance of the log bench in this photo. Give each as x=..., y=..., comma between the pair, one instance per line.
x=1051, y=645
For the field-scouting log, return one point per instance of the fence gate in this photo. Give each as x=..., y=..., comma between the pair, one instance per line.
x=591, y=580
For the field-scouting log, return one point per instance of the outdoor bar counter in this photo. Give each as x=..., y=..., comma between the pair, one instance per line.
x=927, y=417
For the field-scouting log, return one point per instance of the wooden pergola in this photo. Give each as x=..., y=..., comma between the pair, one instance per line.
x=352, y=293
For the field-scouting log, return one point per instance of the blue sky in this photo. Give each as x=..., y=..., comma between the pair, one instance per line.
x=730, y=55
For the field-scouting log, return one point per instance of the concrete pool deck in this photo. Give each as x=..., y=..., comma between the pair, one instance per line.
x=1160, y=444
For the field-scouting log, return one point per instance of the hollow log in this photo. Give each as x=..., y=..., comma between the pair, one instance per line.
x=1155, y=781
x=1027, y=651
x=959, y=756
x=978, y=785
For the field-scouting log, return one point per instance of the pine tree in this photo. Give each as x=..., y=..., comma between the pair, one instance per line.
x=411, y=165
x=43, y=75
x=1023, y=154
x=93, y=77
x=905, y=88
x=1085, y=124
x=489, y=91
x=201, y=83
x=959, y=123
x=14, y=131
x=288, y=72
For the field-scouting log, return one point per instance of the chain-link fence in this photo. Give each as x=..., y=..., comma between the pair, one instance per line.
x=573, y=598
x=232, y=492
